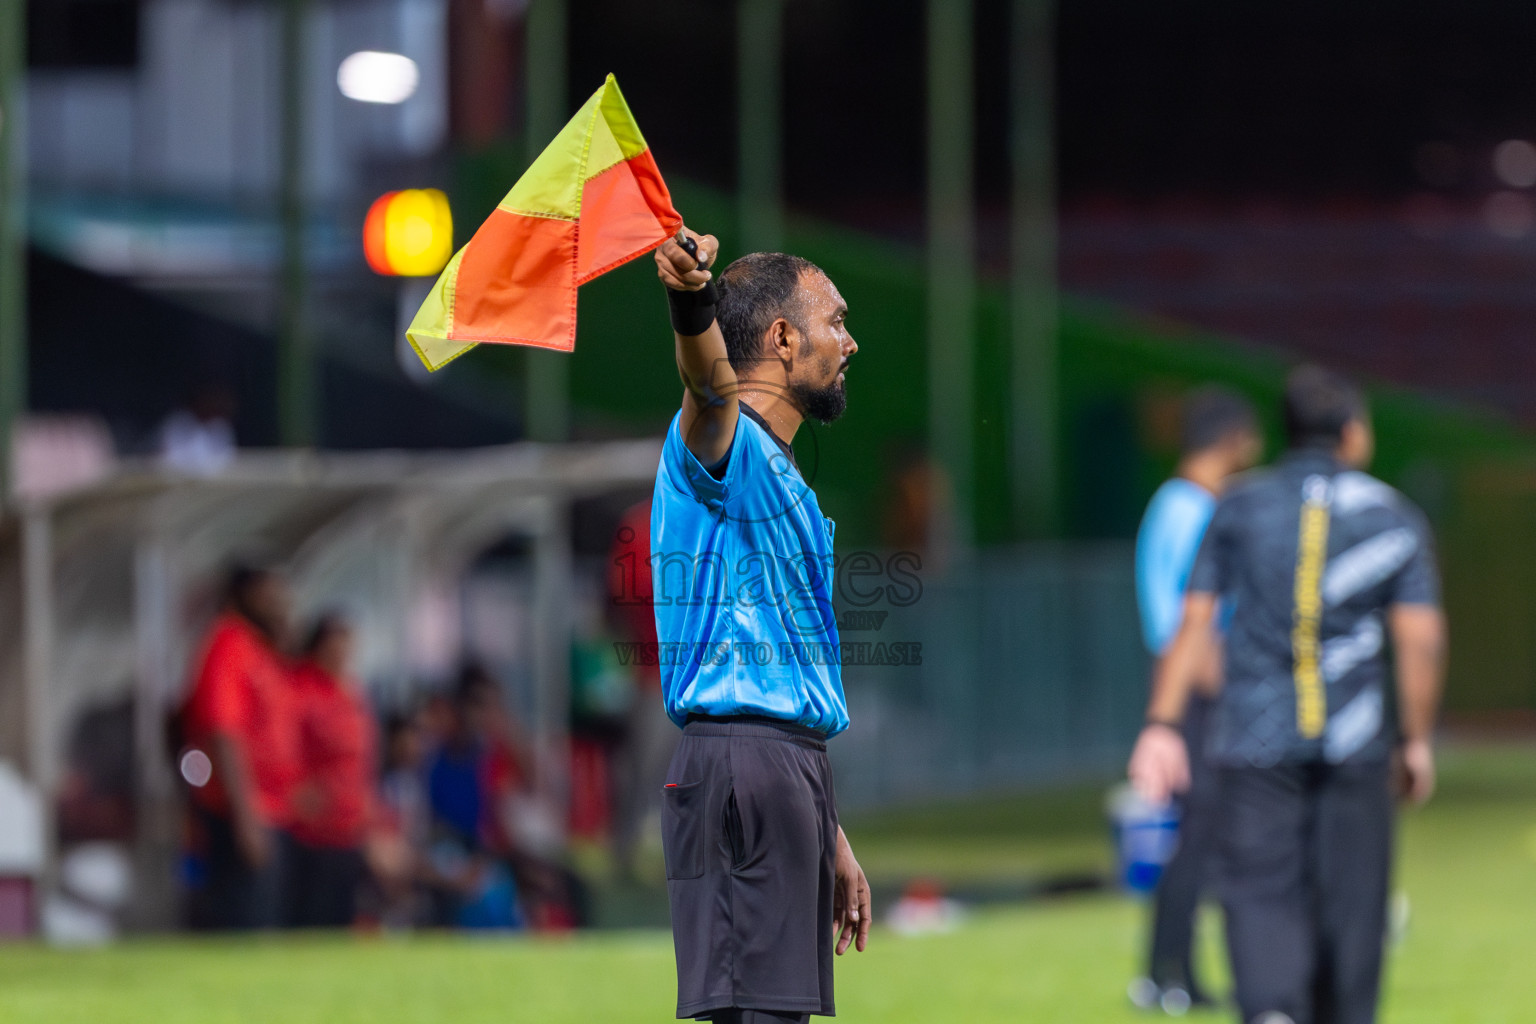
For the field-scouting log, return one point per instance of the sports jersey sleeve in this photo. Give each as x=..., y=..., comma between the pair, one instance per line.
x=1166, y=546
x=1212, y=571
x=686, y=468
x=1418, y=581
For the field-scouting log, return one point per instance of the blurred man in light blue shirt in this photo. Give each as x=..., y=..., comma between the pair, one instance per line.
x=1220, y=437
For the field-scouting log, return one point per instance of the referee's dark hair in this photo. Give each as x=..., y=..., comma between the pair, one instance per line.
x=1212, y=414
x=756, y=290
x=1318, y=403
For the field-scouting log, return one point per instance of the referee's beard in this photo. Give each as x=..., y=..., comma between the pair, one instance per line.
x=823, y=404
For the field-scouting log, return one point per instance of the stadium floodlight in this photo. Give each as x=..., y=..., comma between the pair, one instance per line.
x=372, y=76
x=408, y=233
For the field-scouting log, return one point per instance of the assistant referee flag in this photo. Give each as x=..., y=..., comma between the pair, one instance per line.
x=593, y=200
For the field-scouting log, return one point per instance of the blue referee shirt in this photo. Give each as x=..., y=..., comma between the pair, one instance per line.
x=742, y=573
x=1166, y=545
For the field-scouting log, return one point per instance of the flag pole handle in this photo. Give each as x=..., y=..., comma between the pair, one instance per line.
x=691, y=248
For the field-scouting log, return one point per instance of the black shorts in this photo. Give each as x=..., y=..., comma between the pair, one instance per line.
x=749, y=825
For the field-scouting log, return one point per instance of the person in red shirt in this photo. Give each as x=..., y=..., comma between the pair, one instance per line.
x=333, y=804
x=641, y=764
x=242, y=755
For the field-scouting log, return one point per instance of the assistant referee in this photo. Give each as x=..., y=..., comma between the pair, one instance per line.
x=1220, y=439
x=761, y=879
x=1323, y=566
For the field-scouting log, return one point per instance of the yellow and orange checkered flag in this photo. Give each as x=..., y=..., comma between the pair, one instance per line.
x=593, y=200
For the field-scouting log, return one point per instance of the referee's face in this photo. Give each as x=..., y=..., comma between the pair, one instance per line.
x=820, y=362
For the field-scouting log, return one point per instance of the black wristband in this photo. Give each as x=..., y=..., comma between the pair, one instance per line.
x=1165, y=723
x=693, y=312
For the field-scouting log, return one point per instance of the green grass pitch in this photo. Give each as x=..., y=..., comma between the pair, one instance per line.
x=1467, y=863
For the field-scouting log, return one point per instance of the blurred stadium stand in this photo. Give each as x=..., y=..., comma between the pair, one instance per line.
x=113, y=583
x=1424, y=292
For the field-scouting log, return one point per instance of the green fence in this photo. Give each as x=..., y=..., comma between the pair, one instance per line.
x=1032, y=671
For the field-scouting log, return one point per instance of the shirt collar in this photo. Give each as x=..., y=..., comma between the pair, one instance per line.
x=758, y=419
x=1312, y=459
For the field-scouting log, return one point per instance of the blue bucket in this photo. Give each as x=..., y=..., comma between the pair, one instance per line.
x=1145, y=836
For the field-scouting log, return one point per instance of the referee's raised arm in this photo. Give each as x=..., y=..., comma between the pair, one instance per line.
x=710, y=399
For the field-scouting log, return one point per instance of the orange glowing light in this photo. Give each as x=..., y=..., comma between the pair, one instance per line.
x=408, y=233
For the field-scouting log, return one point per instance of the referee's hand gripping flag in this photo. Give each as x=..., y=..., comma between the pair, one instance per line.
x=682, y=262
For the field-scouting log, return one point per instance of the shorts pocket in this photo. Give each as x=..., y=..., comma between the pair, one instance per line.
x=682, y=829
x=733, y=832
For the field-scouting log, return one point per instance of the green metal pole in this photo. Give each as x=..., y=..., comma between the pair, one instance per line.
x=548, y=401
x=951, y=255
x=1035, y=376
x=295, y=348
x=13, y=233
x=759, y=123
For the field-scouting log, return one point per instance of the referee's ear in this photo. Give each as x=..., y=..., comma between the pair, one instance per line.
x=782, y=340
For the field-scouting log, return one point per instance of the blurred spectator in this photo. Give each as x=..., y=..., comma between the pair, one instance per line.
x=95, y=824
x=403, y=807
x=435, y=721
x=399, y=843
x=465, y=776
x=490, y=820
x=1220, y=438
x=243, y=755
x=199, y=439
x=919, y=514
x=456, y=783
x=640, y=766
x=426, y=873
x=333, y=801
x=603, y=692
x=96, y=793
